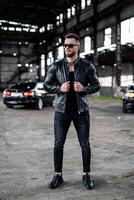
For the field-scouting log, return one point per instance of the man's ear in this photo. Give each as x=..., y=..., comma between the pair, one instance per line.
x=78, y=46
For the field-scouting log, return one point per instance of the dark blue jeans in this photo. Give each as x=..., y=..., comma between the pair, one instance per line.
x=81, y=123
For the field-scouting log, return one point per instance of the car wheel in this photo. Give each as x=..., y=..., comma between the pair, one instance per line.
x=39, y=104
x=9, y=106
x=124, y=109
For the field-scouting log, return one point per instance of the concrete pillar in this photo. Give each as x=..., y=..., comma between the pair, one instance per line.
x=19, y=55
x=78, y=11
x=65, y=21
x=55, y=54
x=118, y=62
x=0, y=66
x=46, y=62
x=118, y=53
x=133, y=71
x=38, y=61
x=82, y=45
x=95, y=45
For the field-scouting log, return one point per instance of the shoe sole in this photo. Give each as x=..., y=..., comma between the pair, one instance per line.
x=54, y=187
x=91, y=186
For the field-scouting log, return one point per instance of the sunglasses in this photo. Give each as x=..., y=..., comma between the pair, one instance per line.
x=70, y=45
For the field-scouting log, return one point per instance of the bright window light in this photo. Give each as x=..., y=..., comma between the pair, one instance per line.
x=88, y=2
x=73, y=10
x=68, y=12
x=42, y=65
x=18, y=29
x=127, y=31
x=107, y=39
x=11, y=28
x=61, y=18
x=32, y=30
x=26, y=29
x=83, y=4
x=50, y=58
x=106, y=81
x=4, y=28
x=126, y=80
x=60, y=52
x=87, y=42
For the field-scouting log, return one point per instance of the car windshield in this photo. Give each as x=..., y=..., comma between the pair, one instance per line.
x=131, y=88
x=23, y=86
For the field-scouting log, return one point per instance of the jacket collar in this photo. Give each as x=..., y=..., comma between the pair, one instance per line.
x=76, y=62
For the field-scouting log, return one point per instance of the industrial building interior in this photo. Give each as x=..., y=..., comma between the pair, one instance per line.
x=31, y=39
x=32, y=33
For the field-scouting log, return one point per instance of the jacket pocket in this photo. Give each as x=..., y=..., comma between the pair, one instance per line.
x=84, y=102
x=58, y=100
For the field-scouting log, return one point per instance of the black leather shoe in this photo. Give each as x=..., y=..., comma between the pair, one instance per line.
x=88, y=183
x=56, y=181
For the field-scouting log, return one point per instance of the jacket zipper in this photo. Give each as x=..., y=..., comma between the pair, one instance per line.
x=66, y=76
x=77, y=95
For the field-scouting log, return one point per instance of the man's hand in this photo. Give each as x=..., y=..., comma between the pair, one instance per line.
x=78, y=87
x=65, y=87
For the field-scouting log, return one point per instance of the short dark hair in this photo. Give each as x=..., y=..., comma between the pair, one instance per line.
x=73, y=35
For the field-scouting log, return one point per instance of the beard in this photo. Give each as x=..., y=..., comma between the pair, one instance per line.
x=70, y=54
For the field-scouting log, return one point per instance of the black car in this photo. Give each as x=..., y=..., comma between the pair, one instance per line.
x=128, y=99
x=27, y=94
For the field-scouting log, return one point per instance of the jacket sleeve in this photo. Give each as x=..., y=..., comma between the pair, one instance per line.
x=93, y=85
x=50, y=84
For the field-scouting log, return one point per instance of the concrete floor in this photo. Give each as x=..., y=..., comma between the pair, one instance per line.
x=26, y=155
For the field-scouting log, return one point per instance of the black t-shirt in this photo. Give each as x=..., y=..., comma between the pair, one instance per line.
x=71, y=104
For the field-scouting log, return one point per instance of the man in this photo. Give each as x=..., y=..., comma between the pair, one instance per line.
x=71, y=79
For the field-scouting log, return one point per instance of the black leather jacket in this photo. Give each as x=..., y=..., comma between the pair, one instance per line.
x=58, y=74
